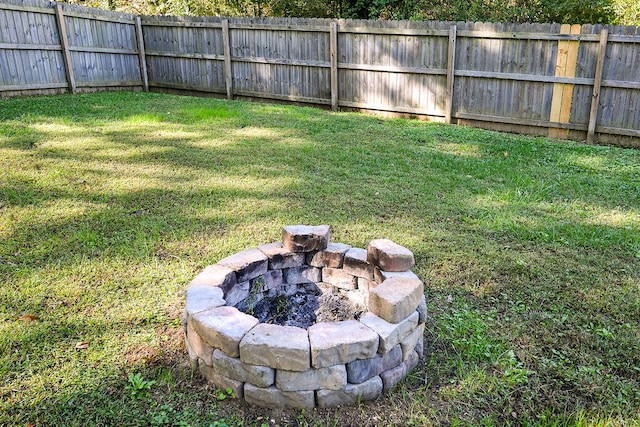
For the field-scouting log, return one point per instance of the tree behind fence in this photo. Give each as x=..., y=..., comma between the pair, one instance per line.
x=563, y=81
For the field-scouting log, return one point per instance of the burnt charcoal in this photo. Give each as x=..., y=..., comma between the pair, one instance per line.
x=302, y=309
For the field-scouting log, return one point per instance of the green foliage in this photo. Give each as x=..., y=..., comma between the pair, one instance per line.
x=138, y=386
x=226, y=393
x=622, y=12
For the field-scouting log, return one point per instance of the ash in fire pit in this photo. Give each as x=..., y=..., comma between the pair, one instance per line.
x=302, y=308
x=304, y=322
x=298, y=309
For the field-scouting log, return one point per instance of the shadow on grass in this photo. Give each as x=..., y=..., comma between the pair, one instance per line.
x=537, y=239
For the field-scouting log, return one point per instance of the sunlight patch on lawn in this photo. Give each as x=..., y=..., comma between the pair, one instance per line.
x=254, y=132
x=143, y=119
x=616, y=218
x=462, y=150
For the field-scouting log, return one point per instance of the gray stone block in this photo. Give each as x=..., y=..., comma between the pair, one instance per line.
x=272, y=279
x=352, y=393
x=389, y=256
x=396, y=298
x=278, y=347
x=393, y=376
x=410, y=343
x=390, y=334
x=337, y=277
x=305, y=238
x=238, y=293
x=232, y=367
x=280, y=257
x=221, y=382
x=247, y=264
x=271, y=397
x=223, y=328
x=355, y=263
x=332, y=256
x=330, y=378
x=363, y=370
x=334, y=343
x=200, y=298
x=422, y=310
x=299, y=275
x=216, y=275
x=420, y=346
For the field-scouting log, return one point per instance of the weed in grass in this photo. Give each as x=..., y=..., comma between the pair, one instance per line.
x=139, y=387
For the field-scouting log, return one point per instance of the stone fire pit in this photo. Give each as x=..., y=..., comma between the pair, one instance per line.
x=329, y=363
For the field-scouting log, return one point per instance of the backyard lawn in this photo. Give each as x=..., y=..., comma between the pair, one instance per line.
x=111, y=203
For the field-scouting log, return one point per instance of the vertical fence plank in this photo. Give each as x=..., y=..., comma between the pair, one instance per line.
x=226, y=46
x=451, y=59
x=64, y=42
x=141, y=55
x=566, y=61
x=333, y=48
x=595, y=98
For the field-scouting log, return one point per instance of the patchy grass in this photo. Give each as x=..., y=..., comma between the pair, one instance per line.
x=110, y=203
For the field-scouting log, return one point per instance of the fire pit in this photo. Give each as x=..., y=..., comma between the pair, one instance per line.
x=304, y=322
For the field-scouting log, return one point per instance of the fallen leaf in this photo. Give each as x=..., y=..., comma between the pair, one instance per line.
x=506, y=154
x=28, y=318
x=82, y=345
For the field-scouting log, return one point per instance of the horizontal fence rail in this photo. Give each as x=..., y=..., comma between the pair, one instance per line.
x=564, y=81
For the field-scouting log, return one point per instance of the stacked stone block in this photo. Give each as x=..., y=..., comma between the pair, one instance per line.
x=328, y=364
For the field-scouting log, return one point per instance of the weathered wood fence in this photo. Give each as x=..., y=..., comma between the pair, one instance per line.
x=576, y=82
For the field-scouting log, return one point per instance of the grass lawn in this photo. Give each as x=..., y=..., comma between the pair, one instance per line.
x=111, y=203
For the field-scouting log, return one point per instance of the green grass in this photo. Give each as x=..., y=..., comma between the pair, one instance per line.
x=111, y=203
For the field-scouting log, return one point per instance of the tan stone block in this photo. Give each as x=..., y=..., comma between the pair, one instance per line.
x=389, y=256
x=200, y=298
x=223, y=328
x=221, y=382
x=334, y=343
x=381, y=275
x=231, y=367
x=396, y=298
x=216, y=275
x=275, y=346
x=337, y=277
x=247, y=264
x=355, y=262
x=198, y=346
x=271, y=397
x=281, y=257
x=352, y=393
x=329, y=378
x=390, y=334
x=306, y=238
x=332, y=256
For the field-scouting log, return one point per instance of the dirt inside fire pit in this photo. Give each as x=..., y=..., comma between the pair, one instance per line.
x=307, y=306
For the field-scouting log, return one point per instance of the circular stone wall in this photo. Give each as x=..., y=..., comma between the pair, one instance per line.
x=329, y=363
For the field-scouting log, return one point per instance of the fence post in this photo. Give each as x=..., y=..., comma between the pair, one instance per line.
x=333, y=47
x=226, y=45
x=141, y=56
x=597, y=84
x=64, y=42
x=451, y=60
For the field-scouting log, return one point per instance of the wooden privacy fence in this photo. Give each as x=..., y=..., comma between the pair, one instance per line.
x=564, y=81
